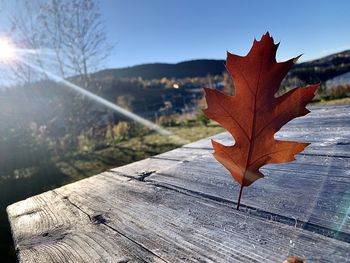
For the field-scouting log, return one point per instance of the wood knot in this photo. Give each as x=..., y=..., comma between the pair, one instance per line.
x=98, y=219
x=144, y=174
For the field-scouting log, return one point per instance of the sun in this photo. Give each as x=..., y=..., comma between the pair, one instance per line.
x=7, y=50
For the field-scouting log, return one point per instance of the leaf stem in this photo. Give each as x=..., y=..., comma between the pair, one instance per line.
x=239, y=197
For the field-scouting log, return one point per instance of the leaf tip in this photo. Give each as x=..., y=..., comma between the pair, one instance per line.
x=214, y=143
x=295, y=60
x=228, y=55
x=313, y=88
x=267, y=37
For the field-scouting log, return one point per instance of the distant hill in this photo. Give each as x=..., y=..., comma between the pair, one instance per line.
x=319, y=70
x=323, y=69
x=192, y=68
x=162, y=89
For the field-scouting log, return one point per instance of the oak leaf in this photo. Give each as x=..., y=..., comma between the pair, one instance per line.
x=253, y=115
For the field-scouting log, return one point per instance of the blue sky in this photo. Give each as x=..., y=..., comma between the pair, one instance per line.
x=146, y=31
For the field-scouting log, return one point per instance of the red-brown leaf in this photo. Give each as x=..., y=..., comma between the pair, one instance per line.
x=253, y=115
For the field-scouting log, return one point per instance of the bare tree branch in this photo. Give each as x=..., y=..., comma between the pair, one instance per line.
x=72, y=29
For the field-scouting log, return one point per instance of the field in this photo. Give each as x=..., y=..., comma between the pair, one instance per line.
x=78, y=166
x=332, y=102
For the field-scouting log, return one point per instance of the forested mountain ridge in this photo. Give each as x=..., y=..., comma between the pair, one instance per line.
x=320, y=69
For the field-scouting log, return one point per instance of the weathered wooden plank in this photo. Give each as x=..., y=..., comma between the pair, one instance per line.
x=48, y=228
x=329, y=110
x=317, y=173
x=177, y=207
x=174, y=226
x=328, y=161
x=317, y=194
x=314, y=169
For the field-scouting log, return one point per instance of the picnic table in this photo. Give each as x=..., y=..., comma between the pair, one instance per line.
x=180, y=206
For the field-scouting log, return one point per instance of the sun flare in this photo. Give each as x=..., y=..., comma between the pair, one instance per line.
x=7, y=50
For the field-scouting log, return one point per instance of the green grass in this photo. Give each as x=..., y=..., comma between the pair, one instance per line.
x=82, y=165
x=75, y=166
x=332, y=102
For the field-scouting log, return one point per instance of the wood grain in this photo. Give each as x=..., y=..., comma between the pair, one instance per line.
x=178, y=207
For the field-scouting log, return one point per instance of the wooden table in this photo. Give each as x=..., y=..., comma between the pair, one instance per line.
x=180, y=207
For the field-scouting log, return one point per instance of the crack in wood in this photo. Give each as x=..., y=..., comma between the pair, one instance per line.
x=134, y=241
x=342, y=143
x=339, y=235
x=28, y=213
x=137, y=177
x=52, y=237
x=252, y=211
x=65, y=198
x=167, y=159
x=99, y=219
x=324, y=155
x=143, y=175
x=197, y=148
x=307, y=154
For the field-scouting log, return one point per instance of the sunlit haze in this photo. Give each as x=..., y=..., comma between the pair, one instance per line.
x=7, y=50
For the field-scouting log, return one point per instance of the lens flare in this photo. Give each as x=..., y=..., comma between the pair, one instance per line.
x=107, y=103
x=7, y=50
